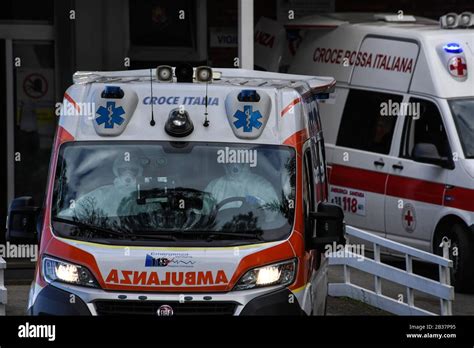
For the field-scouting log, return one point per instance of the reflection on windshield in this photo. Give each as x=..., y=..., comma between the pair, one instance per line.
x=187, y=190
x=463, y=114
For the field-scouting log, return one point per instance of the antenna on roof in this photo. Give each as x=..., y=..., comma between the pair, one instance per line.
x=204, y=74
x=206, y=120
x=152, y=122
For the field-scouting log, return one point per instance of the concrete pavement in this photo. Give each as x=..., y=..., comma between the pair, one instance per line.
x=18, y=280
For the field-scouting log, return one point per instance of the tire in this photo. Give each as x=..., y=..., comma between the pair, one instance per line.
x=462, y=276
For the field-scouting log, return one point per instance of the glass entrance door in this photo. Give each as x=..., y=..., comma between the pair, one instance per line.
x=3, y=137
x=27, y=114
x=34, y=116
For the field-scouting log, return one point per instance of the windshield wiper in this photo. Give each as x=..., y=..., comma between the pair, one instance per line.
x=154, y=236
x=103, y=230
x=210, y=235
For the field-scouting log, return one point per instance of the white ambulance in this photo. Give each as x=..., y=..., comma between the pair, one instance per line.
x=184, y=192
x=400, y=136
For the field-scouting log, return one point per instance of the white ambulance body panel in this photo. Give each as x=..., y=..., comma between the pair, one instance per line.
x=382, y=60
x=344, y=53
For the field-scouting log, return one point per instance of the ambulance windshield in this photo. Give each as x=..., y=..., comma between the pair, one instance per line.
x=176, y=191
x=463, y=114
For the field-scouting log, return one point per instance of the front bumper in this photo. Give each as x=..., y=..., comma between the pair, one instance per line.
x=60, y=299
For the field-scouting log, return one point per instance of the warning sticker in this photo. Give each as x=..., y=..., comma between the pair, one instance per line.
x=35, y=86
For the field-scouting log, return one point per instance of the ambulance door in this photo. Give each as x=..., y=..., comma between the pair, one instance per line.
x=318, y=153
x=415, y=188
x=314, y=192
x=360, y=162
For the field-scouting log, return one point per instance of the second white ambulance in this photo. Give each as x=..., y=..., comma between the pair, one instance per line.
x=400, y=138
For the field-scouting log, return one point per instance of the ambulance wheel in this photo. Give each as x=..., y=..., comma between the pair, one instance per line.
x=462, y=276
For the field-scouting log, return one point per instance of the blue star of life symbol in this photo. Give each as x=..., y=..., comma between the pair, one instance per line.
x=110, y=115
x=248, y=119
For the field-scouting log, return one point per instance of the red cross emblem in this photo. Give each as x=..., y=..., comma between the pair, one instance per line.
x=457, y=66
x=409, y=218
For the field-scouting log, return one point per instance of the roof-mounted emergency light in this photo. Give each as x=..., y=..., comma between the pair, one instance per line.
x=249, y=96
x=453, y=20
x=112, y=92
x=179, y=124
x=453, y=58
x=452, y=48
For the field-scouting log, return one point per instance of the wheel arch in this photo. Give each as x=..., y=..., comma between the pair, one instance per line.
x=445, y=222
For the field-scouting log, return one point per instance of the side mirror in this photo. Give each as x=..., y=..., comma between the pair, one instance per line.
x=428, y=153
x=21, y=220
x=330, y=226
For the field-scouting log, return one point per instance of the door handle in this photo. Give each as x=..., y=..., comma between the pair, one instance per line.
x=398, y=166
x=379, y=163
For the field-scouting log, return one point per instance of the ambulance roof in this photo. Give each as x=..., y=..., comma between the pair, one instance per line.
x=416, y=42
x=333, y=20
x=125, y=114
x=227, y=77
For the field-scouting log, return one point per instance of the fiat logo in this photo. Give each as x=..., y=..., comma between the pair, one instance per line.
x=164, y=311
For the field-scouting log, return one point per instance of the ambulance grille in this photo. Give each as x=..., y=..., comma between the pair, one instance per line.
x=125, y=307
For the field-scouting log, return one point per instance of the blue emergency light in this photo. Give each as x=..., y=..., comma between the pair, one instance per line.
x=452, y=48
x=112, y=92
x=248, y=95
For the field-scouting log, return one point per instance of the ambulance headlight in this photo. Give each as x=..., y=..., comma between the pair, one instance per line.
x=69, y=273
x=164, y=73
x=281, y=273
x=204, y=74
x=179, y=124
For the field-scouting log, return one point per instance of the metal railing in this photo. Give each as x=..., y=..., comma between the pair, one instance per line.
x=3, y=290
x=441, y=289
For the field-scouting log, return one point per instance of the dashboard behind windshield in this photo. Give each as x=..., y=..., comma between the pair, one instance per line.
x=186, y=191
